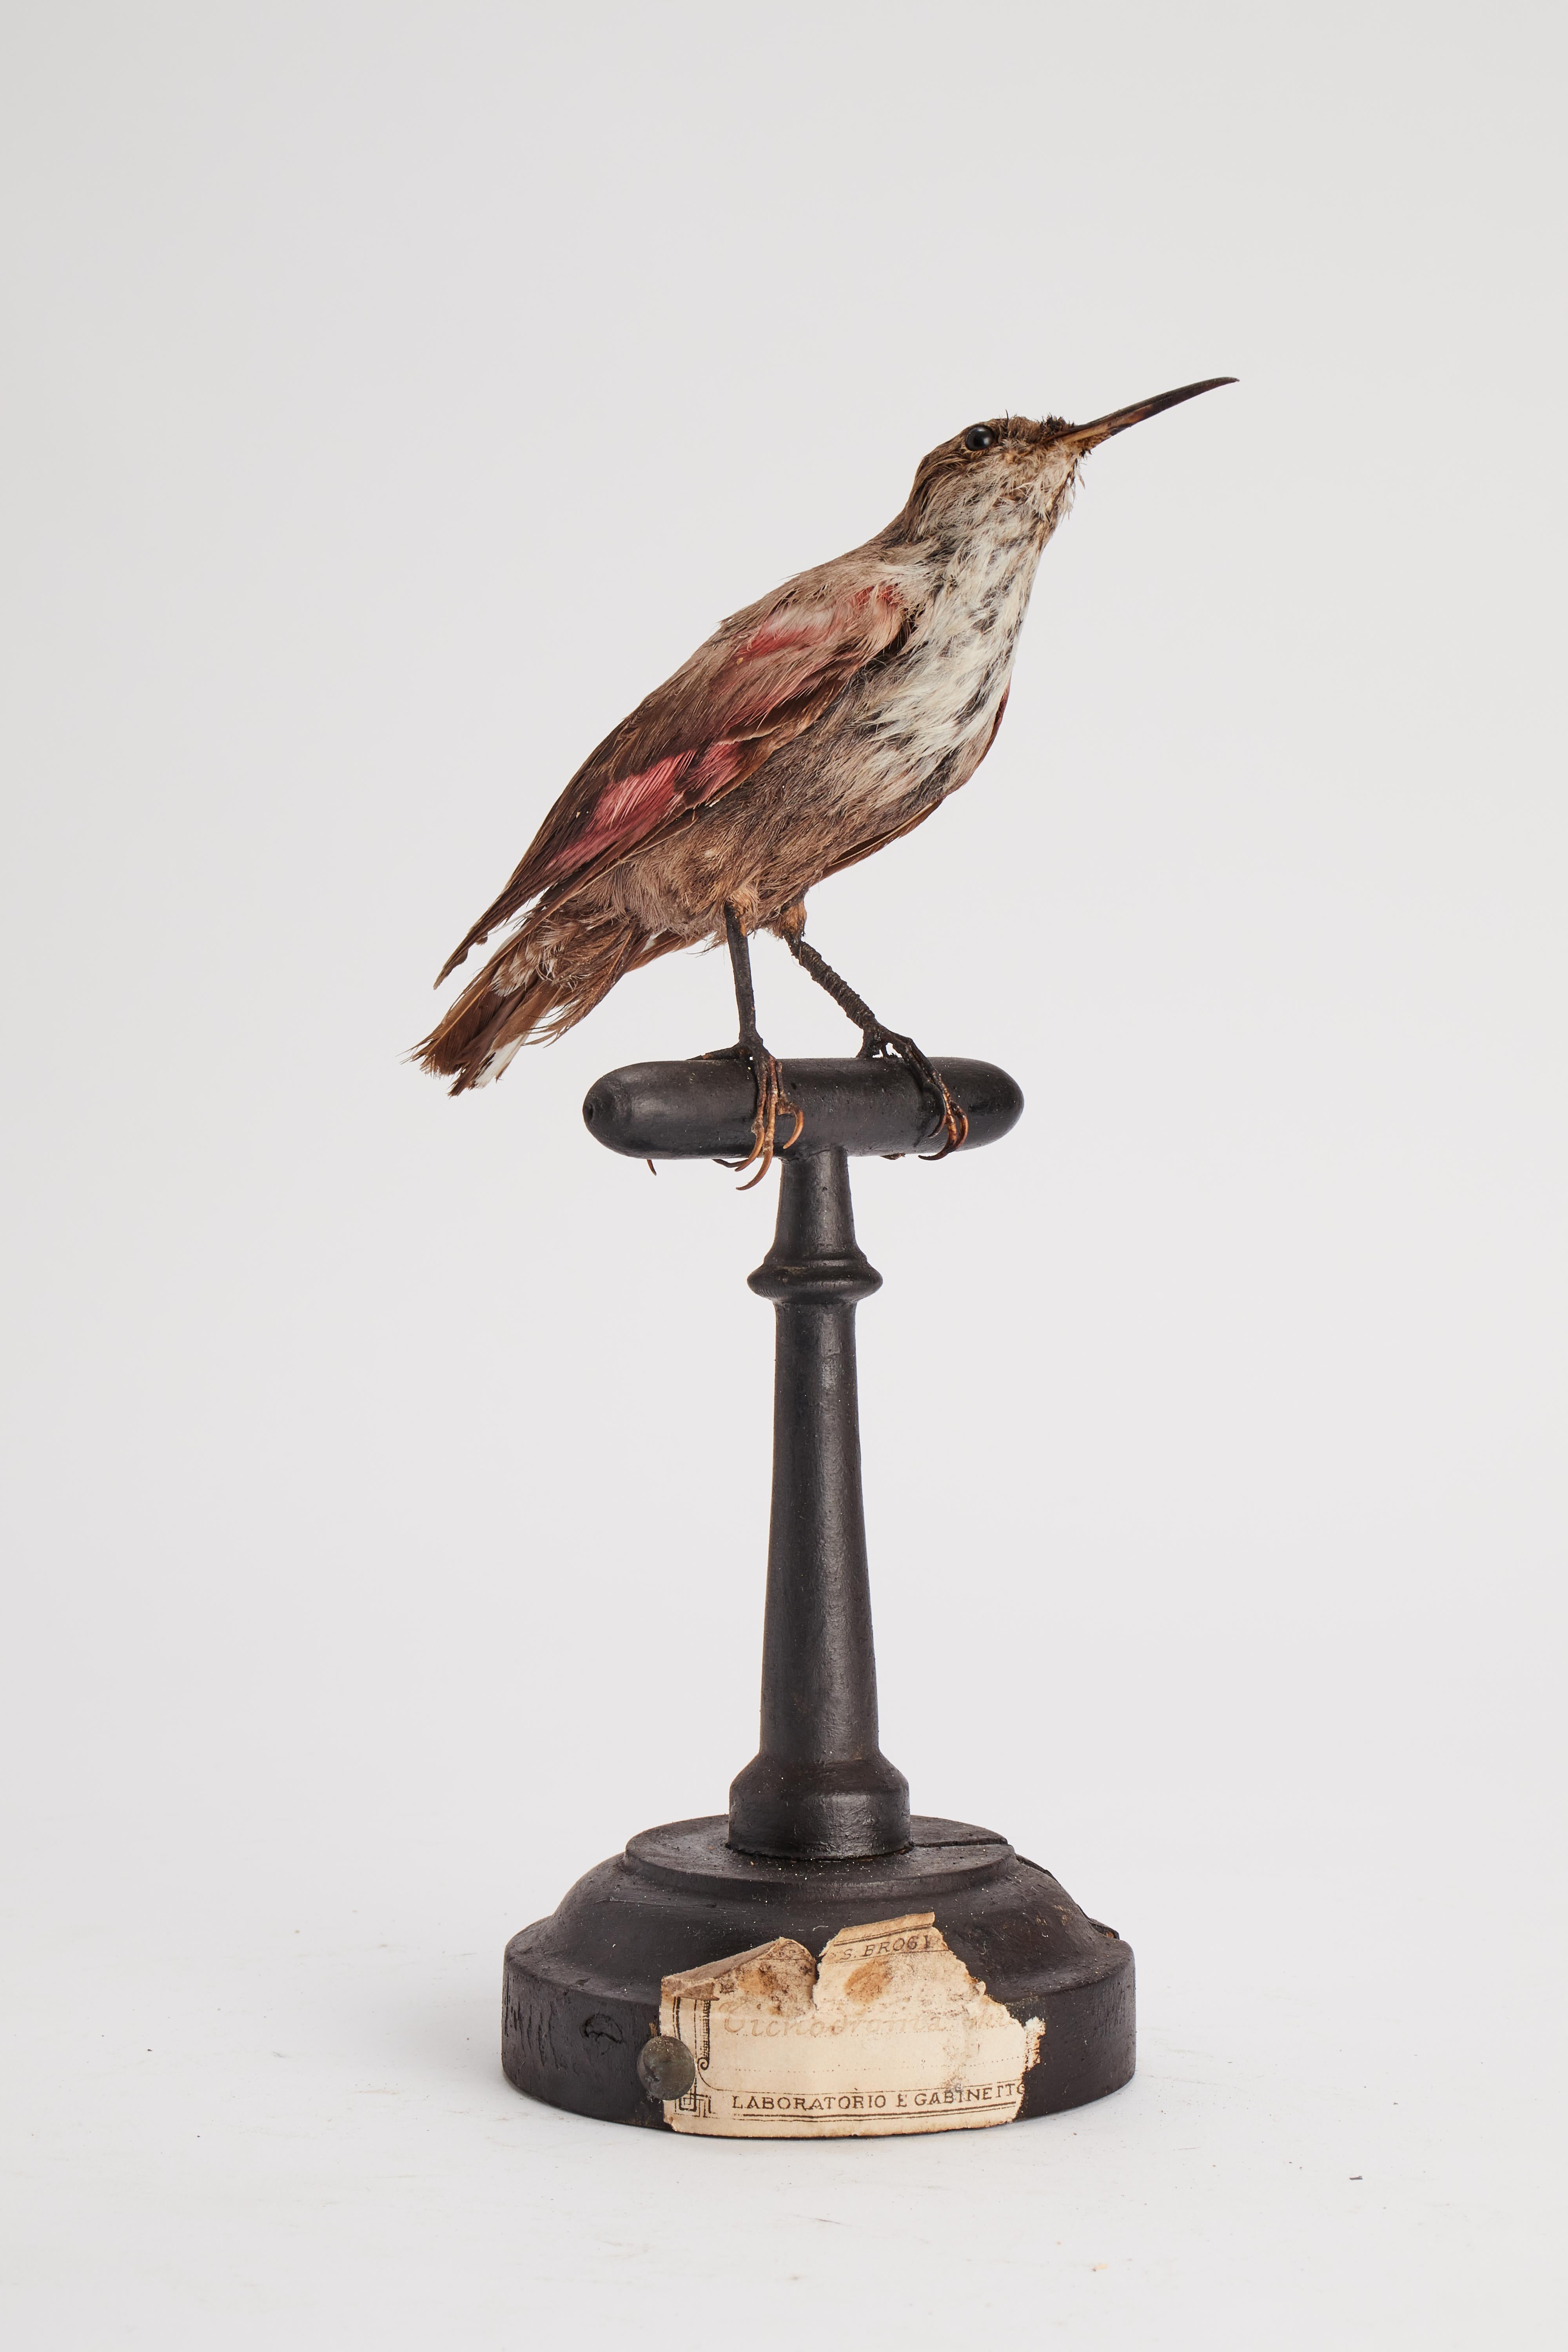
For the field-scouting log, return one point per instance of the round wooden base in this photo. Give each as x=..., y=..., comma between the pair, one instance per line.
x=582, y=1987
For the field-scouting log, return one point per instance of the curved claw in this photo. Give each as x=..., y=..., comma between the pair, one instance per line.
x=955, y=1120
x=771, y=1100
x=880, y=1042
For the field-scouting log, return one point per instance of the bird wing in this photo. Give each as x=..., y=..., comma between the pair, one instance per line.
x=762, y=679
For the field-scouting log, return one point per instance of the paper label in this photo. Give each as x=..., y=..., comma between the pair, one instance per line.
x=891, y=2034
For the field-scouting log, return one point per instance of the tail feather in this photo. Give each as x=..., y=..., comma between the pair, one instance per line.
x=546, y=978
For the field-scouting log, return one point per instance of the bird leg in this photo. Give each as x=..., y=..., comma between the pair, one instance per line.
x=770, y=1097
x=878, y=1042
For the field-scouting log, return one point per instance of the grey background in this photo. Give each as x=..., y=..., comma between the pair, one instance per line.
x=393, y=395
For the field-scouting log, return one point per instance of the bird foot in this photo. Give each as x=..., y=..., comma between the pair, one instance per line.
x=880, y=1045
x=772, y=1101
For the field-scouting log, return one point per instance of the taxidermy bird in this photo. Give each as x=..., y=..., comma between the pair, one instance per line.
x=809, y=730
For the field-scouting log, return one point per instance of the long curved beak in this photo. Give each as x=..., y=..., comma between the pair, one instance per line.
x=1090, y=437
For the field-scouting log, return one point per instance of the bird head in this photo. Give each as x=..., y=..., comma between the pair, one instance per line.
x=1018, y=467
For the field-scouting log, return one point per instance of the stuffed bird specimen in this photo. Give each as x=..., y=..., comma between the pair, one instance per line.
x=809, y=730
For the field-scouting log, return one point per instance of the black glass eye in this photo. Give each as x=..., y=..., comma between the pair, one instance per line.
x=979, y=437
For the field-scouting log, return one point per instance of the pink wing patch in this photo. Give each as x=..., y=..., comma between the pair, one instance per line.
x=627, y=812
x=785, y=661
x=844, y=635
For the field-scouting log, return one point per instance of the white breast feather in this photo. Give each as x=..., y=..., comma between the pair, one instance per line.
x=943, y=700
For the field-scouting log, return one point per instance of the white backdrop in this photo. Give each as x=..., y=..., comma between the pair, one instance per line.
x=397, y=392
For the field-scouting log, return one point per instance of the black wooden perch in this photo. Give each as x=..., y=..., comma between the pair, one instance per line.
x=702, y=1110
x=819, y=1834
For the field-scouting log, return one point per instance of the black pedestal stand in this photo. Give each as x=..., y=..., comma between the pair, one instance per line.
x=819, y=1836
